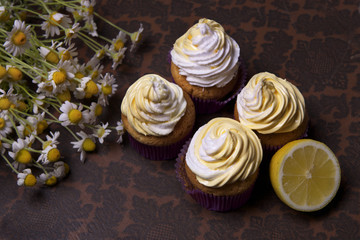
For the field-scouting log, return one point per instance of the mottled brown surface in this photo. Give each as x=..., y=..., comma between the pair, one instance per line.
x=117, y=194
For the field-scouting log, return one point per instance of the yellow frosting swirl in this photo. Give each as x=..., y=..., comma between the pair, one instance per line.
x=269, y=104
x=153, y=105
x=206, y=55
x=222, y=152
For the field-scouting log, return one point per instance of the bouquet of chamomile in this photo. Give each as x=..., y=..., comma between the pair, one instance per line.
x=43, y=82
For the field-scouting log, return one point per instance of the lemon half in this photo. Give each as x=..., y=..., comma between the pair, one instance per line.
x=305, y=175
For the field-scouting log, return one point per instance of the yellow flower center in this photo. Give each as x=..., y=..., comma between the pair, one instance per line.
x=98, y=110
x=90, y=10
x=51, y=181
x=59, y=77
x=100, y=54
x=2, y=123
x=67, y=168
x=53, y=155
x=52, y=57
x=79, y=75
x=75, y=116
x=88, y=145
x=95, y=74
x=5, y=16
x=41, y=126
x=30, y=180
x=69, y=33
x=64, y=96
x=91, y=89
x=49, y=88
x=77, y=16
x=22, y=106
x=4, y=104
x=28, y=130
x=107, y=90
x=15, y=74
x=23, y=156
x=53, y=20
x=119, y=44
x=19, y=38
x=65, y=55
x=101, y=132
x=2, y=72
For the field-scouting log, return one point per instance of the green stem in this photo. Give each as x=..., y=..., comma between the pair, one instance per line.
x=10, y=165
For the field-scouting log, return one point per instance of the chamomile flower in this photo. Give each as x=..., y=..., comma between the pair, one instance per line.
x=95, y=111
x=72, y=114
x=51, y=140
x=47, y=179
x=14, y=74
x=107, y=88
x=50, y=154
x=100, y=54
x=27, y=127
x=67, y=53
x=136, y=37
x=86, y=89
x=26, y=178
x=71, y=33
x=87, y=10
x=85, y=144
x=7, y=99
x=5, y=123
x=91, y=27
x=101, y=131
x=4, y=14
x=50, y=26
x=118, y=58
x=118, y=43
x=50, y=54
x=18, y=40
x=19, y=152
x=120, y=131
x=61, y=76
x=61, y=169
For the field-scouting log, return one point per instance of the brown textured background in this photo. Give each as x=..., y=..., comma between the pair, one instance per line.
x=117, y=194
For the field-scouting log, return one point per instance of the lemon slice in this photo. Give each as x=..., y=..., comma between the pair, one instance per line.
x=305, y=175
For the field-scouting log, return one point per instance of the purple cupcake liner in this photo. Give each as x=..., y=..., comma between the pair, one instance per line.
x=206, y=200
x=158, y=152
x=270, y=149
x=203, y=106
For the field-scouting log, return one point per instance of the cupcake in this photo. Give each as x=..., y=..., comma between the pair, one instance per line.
x=205, y=63
x=274, y=108
x=158, y=117
x=220, y=165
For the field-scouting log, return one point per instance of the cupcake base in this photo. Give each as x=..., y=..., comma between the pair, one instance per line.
x=220, y=203
x=207, y=106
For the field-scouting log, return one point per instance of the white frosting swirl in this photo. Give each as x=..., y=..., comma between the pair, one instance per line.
x=153, y=105
x=222, y=152
x=206, y=55
x=269, y=104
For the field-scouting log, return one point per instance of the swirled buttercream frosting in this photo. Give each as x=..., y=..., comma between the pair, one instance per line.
x=206, y=55
x=223, y=151
x=269, y=104
x=153, y=106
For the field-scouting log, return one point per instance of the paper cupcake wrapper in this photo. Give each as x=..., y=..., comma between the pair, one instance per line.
x=206, y=200
x=203, y=106
x=158, y=152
